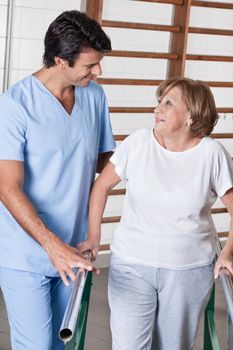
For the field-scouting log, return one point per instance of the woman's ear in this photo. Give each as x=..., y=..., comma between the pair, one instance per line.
x=188, y=119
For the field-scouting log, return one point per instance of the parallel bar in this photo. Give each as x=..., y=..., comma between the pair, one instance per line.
x=209, y=58
x=211, y=31
x=212, y=4
x=142, y=54
x=226, y=282
x=72, y=310
x=142, y=26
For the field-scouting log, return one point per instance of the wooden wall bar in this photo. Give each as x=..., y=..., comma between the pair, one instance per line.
x=94, y=9
x=177, y=57
x=151, y=109
x=212, y=4
x=142, y=26
x=179, y=40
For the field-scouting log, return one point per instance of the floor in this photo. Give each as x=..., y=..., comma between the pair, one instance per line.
x=98, y=335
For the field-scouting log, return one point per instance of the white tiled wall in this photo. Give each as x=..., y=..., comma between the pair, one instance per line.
x=136, y=11
x=3, y=22
x=31, y=19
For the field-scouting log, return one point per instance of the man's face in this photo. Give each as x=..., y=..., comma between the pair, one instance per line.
x=86, y=68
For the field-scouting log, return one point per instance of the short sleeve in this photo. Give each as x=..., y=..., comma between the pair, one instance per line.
x=107, y=142
x=120, y=159
x=222, y=171
x=12, y=130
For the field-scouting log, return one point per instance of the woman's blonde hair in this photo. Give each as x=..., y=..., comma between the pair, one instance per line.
x=199, y=100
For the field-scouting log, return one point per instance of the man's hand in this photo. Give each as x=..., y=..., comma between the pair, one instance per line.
x=64, y=258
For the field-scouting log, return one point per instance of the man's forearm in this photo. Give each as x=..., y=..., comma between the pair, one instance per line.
x=20, y=207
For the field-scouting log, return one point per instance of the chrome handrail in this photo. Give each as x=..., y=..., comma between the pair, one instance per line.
x=227, y=285
x=226, y=281
x=74, y=304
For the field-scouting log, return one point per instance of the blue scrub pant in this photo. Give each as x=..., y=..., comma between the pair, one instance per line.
x=35, y=306
x=145, y=300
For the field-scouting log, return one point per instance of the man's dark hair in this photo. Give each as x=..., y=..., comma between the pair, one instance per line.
x=71, y=33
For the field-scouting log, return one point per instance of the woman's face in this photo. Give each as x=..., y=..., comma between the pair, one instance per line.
x=172, y=115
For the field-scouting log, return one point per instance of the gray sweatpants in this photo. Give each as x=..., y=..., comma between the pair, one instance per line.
x=144, y=299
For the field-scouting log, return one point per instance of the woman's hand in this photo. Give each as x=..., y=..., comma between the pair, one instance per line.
x=93, y=246
x=64, y=258
x=225, y=260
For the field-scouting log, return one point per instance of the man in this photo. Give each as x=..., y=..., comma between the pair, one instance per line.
x=54, y=134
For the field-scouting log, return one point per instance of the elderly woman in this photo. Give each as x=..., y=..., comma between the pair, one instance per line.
x=163, y=252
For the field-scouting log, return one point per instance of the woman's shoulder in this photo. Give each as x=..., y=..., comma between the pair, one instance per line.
x=140, y=135
x=213, y=146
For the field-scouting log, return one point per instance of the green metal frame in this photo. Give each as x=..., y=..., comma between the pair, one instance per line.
x=211, y=341
x=77, y=342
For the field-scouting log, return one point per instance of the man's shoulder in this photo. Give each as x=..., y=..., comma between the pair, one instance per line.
x=12, y=92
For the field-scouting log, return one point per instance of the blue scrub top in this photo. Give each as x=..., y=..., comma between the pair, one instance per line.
x=59, y=152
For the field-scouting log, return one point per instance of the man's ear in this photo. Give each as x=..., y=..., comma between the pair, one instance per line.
x=59, y=62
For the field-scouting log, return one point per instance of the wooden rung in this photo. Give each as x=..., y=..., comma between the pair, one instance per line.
x=225, y=110
x=223, y=234
x=222, y=135
x=218, y=210
x=110, y=219
x=209, y=58
x=226, y=84
x=120, y=137
x=118, y=81
x=142, y=26
x=211, y=31
x=117, y=192
x=151, y=109
x=150, y=82
x=131, y=109
x=173, y=2
x=104, y=247
x=214, y=136
x=142, y=54
x=223, y=5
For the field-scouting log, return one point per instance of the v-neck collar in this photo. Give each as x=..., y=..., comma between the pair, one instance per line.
x=68, y=115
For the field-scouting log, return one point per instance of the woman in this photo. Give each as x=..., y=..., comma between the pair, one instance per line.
x=161, y=269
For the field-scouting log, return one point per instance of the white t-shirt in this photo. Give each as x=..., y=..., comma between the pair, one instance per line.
x=166, y=220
